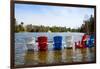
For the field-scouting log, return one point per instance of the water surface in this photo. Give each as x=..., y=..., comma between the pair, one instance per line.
x=23, y=56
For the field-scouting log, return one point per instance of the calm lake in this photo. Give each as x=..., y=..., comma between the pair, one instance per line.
x=23, y=56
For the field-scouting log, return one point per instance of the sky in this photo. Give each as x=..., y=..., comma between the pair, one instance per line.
x=52, y=15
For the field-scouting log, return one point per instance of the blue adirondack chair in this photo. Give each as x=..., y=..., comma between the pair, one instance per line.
x=57, y=42
x=90, y=41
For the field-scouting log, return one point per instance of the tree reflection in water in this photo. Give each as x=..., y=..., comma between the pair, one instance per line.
x=59, y=56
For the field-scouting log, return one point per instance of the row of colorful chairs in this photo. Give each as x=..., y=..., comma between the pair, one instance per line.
x=86, y=41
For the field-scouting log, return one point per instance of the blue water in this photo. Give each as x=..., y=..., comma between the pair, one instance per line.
x=21, y=47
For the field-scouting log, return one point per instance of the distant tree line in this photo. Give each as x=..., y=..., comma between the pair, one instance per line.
x=87, y=27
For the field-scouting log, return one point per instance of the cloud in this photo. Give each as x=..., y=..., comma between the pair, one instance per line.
x=51, y=15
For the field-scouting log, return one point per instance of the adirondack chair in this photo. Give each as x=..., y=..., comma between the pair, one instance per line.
x=42, y=43
x=30, y=42
x=90, y=42
x=82, y=43
x=57, y=42
x=69, y=41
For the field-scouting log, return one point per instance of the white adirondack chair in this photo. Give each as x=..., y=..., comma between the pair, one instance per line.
x=69, y=41
x=30, y=42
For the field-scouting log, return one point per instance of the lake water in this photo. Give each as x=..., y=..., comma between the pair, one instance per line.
x=23, y=56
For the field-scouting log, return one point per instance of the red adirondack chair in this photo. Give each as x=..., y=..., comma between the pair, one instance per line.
x=82, y=43
x=42, y=43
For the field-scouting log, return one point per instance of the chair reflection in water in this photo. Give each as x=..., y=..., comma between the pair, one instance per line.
x=69, y=48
